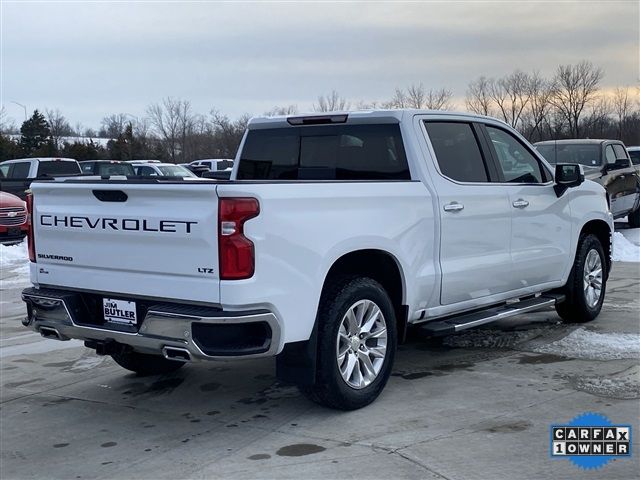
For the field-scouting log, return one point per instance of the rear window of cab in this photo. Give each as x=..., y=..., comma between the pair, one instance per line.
x=332, y=152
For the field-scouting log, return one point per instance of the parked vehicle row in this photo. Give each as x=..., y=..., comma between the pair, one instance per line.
x=335, y=233
x=16, y=175
x=606, y=162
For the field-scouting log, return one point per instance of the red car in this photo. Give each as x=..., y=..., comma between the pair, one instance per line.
x=13, y=218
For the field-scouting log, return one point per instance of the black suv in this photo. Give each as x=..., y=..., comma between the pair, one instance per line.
x=606, y=162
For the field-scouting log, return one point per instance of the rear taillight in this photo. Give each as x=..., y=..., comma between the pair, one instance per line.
x=31, y=242
x=236, y=253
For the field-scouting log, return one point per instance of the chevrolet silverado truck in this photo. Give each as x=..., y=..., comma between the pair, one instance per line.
x=335, y=233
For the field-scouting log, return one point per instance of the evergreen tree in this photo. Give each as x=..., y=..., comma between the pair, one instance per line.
x=36, y=136
x=83, y=151
x=9, y=149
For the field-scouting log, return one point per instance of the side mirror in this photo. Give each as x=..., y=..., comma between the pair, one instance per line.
x=568, y=175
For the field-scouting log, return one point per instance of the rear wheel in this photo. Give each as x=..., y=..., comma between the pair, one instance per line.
x=145, y=364
x=586, y=286
x=356, y=343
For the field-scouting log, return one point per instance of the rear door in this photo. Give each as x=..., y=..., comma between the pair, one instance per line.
x=475, y=230
x=129, y=238
x=541, y=233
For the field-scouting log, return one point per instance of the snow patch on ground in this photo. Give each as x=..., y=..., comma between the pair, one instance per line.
x=582, y=343
x=624, y=248
x=13, y=254
x=625, y=384
x=14, y=266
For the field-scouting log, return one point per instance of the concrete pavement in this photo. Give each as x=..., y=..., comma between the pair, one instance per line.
x=474, y=406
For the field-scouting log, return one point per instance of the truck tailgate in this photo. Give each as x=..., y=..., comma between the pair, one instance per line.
x=147, y=239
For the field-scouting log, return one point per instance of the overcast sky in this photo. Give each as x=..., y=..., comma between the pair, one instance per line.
x=90, y=59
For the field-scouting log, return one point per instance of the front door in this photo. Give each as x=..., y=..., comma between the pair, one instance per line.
x=541, y=235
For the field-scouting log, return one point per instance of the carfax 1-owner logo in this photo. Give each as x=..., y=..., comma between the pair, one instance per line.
x=590, y=440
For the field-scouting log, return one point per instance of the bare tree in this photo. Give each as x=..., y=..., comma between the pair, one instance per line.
x=439, y=99
x=511, y=94
x=288, y=110
x=5, y=125
x=114, y=125
x=598, y=119
x=416, y=96
x=477, y=98
x=78, y=128
x=399, y=99
x=227, y=133
x=364, y=105
x=172, y=120
x=539, y=109
x=574, y=88
x=58, y=125
x=331, y=102
x=621, y=104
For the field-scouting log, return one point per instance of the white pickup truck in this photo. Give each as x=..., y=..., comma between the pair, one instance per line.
x=335, y=234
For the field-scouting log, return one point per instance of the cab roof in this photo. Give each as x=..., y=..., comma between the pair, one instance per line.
x=356, y=117
x=574, y=141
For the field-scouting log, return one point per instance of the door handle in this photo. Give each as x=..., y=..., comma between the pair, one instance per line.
x=520, y=203
x=453, y=207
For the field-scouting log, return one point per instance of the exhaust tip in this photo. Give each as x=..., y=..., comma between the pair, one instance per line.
x=50, y=332
x=176, y=353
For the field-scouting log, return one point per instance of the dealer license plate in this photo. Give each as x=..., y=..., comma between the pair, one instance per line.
x=121, y=312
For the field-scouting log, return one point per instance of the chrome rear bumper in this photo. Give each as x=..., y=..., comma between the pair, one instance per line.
x=200, y=331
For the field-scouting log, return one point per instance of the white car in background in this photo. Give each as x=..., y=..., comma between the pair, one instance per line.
x=157, y=169
x=215, y=164
x=634, y=154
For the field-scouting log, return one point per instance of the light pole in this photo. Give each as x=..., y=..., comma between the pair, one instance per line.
x=23, y=107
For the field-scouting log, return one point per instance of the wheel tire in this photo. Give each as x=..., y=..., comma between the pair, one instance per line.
x=634, y=219
x=330, y=388
x=577, y=308
x=145, y=364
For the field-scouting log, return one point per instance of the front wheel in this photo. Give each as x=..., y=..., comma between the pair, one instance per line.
x=145, y=364
x=356, y=343
x=587, y=283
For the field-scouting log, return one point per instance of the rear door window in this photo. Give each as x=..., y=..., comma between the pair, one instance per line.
x=457, y=151
x=332, y=152
x=19, y=170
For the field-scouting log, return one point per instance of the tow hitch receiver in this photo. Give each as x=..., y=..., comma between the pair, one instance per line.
x=108, y=347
